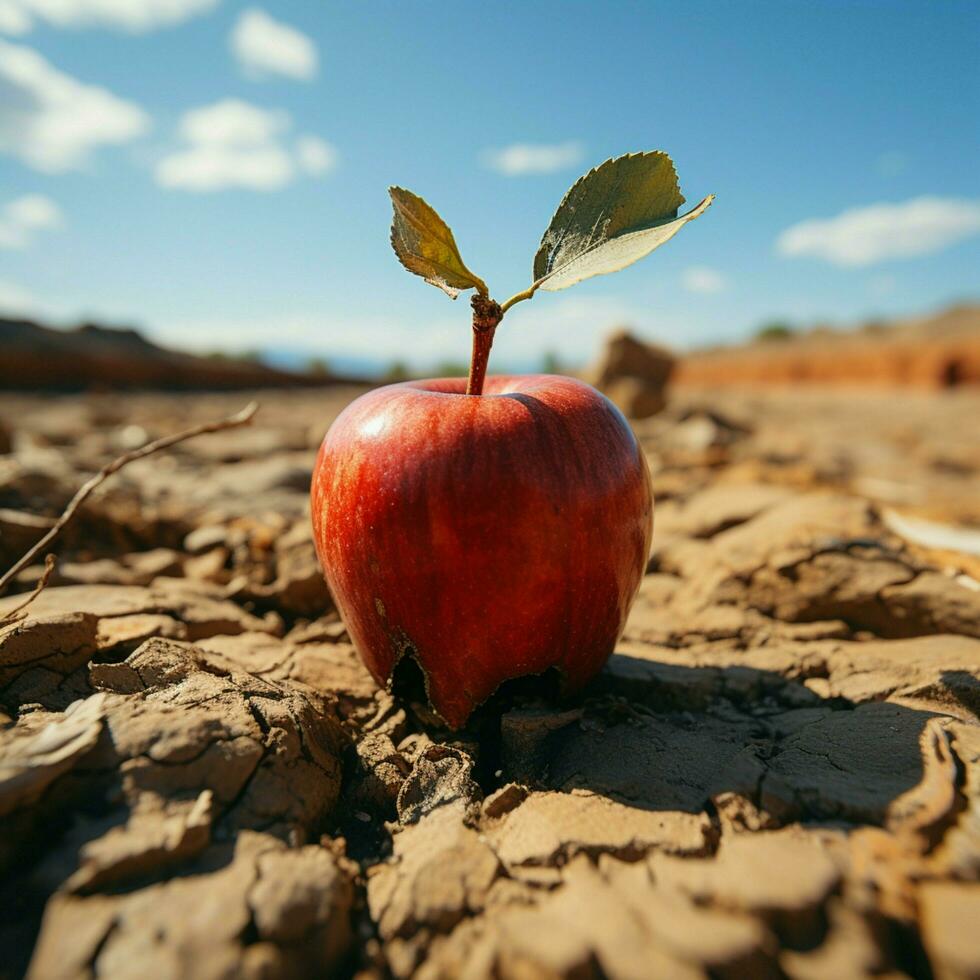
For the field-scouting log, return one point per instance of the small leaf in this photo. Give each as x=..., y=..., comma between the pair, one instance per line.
x=613, y=216
x=425, y=245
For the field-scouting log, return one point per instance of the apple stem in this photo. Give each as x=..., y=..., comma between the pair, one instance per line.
x=486, y=315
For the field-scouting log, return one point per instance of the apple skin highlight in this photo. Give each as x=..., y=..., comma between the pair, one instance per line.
x=489, y=537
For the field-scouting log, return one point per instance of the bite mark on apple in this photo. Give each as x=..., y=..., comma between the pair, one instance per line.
x=403, y=646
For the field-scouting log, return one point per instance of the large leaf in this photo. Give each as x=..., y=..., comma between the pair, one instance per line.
x=425, y=245
x=610, y=218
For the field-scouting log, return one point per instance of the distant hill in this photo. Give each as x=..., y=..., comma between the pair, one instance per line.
x=34, y=357
x=937, y=351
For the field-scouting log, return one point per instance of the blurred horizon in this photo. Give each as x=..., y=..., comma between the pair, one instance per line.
x=903, y=348
x=214, y=173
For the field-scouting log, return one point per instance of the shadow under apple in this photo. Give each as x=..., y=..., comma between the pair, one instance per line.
x=666, y=737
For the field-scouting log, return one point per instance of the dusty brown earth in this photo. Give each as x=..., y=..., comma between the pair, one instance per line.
x=777, y=774
x=940, y=350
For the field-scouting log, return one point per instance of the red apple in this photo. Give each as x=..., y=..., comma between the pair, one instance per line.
x=488, y=536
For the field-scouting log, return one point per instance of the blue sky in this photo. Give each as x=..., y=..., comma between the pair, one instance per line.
x=218, y=173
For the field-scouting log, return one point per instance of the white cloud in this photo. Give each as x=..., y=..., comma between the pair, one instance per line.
x=22, y=218
x=232, y=121
x=702, y=279
x=266, y=46
x=13, y=18
x=865, y=236
x=315, y=156
x=53, y=122
x=213, y=167
x=235, y=144
x=18, y=16
x=521, y=159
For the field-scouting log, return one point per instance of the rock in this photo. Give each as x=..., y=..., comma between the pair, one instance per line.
x=203, y=539
x=20, y=530
x=39, y=652
x=625, y=356
x=159, y=833
x=699, y=432
x=550, y=828
x=748, y=875
x=940, y=672
x=297, y=903
x=298, y=588
x=440, y=776
x=301, y=894
x=326, y=629
x=137, y=568
x=935, y=603
x=949, y=913
x=851, y=948
x=203, y=754
x=633, y=374
x=963, y=840
x=636, y=398
x=200, y=610
x=718, y=508
x=209, y=566
x=620, y=944
x=504, y=800
x=440, y=871
x=34, y=757
x=823, y=557
x=584, y=925
x=384, y=771
x=704, y=935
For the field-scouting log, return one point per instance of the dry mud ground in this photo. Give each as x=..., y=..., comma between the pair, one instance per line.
x=778, y=773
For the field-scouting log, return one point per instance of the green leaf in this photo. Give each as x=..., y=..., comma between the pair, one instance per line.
x=613, y=216
x=425, y=245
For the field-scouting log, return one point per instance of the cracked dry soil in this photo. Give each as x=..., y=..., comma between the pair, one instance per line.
x=777, y=774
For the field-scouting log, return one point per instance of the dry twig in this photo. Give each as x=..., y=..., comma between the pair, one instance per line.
x=232, y=421
x=18, y=611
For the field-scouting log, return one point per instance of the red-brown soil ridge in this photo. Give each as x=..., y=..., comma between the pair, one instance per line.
x=36, y=358
x=939, y=351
